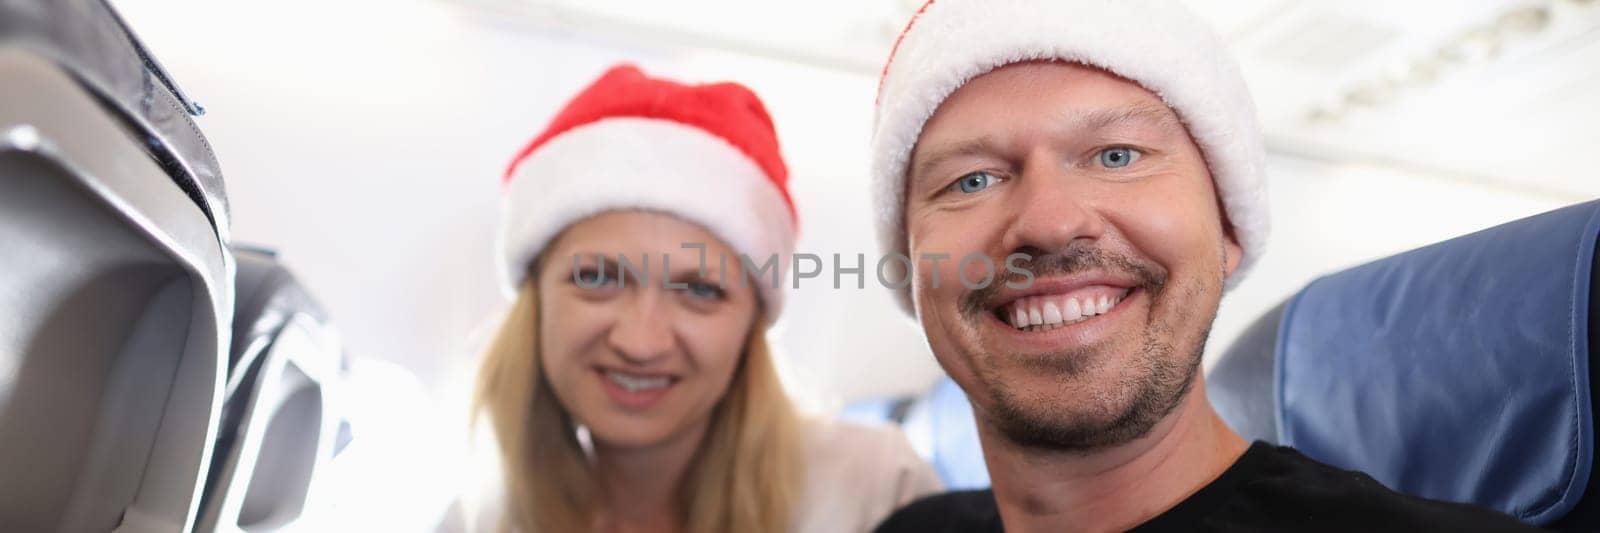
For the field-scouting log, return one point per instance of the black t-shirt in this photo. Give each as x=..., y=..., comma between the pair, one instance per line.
x=1270, y=488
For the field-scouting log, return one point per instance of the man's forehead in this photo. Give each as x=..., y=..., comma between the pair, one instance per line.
x=1079, y=95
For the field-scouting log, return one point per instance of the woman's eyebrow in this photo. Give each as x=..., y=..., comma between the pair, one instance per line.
x=687, y=268
x=590, y=258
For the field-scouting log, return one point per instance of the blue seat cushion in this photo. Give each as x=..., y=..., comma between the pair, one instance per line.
x=1458, y=371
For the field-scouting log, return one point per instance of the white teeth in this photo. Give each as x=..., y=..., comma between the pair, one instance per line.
x=1052, y=314
x=633, y=383
x=1072, y=311
x=1045, y=314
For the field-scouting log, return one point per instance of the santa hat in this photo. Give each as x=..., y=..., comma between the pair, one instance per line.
x=705, y=153
x=1158, y=44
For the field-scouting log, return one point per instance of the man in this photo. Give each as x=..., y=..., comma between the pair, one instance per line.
x=1108, y=148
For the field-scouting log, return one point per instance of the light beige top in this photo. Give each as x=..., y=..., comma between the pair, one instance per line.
x=854, y=477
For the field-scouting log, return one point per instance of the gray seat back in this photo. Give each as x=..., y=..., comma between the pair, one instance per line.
x=116, y=292
x=1240, y=384
x=278, y=426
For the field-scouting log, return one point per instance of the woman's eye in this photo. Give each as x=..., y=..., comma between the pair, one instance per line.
x=591, y=278
x=705, y=291
x=1119, y=157
x=975, y=182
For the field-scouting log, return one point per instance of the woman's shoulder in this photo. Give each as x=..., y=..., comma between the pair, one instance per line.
x=856, y=475
x=848, y=441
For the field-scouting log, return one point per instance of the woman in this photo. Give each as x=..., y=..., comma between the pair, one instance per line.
x=631, y=387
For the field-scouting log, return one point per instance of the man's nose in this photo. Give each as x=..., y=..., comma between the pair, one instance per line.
x=1054, y=207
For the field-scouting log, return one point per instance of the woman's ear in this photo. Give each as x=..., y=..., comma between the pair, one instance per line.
x=537, y=264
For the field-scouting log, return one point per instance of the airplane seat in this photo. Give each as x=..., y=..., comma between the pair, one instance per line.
x=940, y=426
x=1239, y=384
x=116, y=290
x=278, y=426
x=1459, y=371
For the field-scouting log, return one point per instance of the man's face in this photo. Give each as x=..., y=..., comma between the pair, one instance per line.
x=1098, y=180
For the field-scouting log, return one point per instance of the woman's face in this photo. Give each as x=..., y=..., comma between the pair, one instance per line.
x=641, y=362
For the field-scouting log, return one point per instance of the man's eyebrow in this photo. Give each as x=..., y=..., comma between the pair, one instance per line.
x=941, y=153
x=1151, y=114
x=1084, y=121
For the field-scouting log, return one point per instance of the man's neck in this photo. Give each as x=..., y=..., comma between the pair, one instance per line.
x=1116, y=488
x=640, y=485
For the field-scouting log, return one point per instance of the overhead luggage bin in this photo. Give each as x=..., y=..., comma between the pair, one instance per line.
x=116, y=297
x=278, y=426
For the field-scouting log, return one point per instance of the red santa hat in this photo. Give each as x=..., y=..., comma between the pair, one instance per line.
x=706, y=153
x=1158, y=44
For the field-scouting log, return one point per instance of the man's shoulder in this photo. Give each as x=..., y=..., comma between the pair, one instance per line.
x=966, y=510
x=1292, y=489
x=1278, y=490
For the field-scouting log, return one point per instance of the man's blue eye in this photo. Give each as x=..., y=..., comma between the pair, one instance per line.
x=1118, y=157
x=975, y=182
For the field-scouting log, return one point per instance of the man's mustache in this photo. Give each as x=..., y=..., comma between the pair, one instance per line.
x=1077, y=258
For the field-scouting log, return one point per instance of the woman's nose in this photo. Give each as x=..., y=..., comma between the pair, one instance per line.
x=644, y=330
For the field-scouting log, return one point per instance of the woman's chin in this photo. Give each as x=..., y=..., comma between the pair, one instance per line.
x=634, y=432
x=629, y=436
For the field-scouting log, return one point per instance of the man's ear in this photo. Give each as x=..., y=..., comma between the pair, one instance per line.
x=1232, y=253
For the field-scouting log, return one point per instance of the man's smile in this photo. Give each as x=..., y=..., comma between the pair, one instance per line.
x=1048, y=312
x=1062, y=311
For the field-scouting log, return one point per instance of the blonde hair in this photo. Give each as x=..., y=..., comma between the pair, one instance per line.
x=744, y=478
